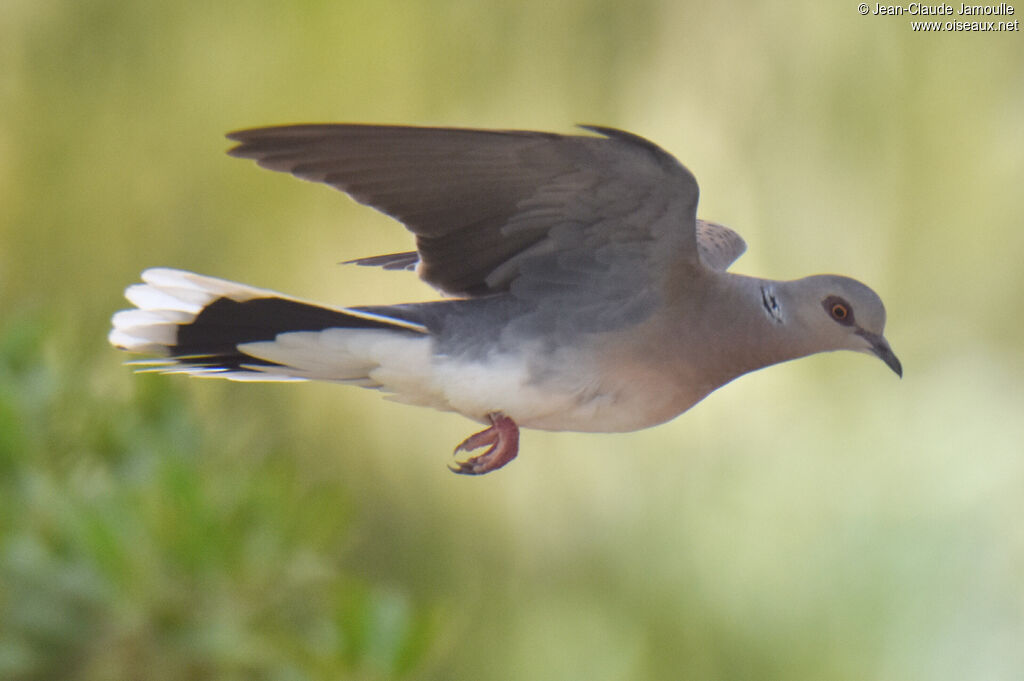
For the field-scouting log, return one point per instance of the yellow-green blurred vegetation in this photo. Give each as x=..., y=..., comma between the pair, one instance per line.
x=818, y=520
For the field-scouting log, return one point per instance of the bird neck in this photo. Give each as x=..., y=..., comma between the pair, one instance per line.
x=761, y=326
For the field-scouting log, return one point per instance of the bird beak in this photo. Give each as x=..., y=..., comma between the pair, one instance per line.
x=880, y=347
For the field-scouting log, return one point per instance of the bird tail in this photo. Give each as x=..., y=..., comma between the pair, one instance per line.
x=205, y=326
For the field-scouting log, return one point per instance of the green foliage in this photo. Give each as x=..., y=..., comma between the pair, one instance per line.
x=137, y=541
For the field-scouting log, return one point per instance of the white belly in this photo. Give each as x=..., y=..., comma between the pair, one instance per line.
x=572, y=397
x=536, y=390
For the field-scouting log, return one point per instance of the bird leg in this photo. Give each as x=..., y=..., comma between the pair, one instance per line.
x=503, y=438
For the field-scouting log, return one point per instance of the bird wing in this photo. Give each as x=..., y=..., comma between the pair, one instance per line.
x=504, y=210
x=718, y=245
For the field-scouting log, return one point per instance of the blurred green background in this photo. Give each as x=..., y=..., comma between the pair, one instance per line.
x=818, y=520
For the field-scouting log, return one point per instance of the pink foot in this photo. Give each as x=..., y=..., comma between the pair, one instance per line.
x=503, y=438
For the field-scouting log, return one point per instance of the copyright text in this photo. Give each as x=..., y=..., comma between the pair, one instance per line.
x=981, y=17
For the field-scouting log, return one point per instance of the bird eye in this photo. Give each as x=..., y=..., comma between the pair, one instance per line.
x=839, y=310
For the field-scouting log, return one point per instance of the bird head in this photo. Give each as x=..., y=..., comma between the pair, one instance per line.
x=840, y=313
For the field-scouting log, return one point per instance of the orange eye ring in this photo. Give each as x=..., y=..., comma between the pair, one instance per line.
x=839, y=310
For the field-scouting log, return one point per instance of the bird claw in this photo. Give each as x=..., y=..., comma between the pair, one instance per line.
x=503, y=438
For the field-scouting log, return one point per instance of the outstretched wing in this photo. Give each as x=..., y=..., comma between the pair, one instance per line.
x=500, y=210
